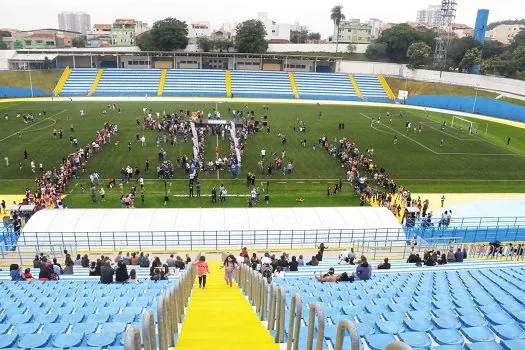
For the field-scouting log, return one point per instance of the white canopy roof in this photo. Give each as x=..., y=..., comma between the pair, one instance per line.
x=220, y=219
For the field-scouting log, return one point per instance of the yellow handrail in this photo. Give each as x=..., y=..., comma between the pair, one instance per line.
x=355, y=85
x=293, y=84
x=228, y=83
x=95, y=82
x=62, y=81
x=162, y=82
x=386, y=87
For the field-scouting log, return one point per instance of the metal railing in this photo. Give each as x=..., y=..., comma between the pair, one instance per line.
x=249, y=282
x=469, y=229
x=170, y=309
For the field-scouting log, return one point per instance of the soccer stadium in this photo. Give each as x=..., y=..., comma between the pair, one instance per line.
x=261, y=187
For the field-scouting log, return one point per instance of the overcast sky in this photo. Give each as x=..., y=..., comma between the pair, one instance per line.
x=32, y=14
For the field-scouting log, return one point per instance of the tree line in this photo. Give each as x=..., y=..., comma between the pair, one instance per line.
x=415, y=46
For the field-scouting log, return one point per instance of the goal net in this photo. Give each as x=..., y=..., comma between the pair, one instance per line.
x=464, y=125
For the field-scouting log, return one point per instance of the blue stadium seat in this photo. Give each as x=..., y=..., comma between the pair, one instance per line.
x=68, y=340
x=4, y=328
x=390, y=327
x=102, y=339
x=499, y=318
x=473, y=320
x=478, y=334
x=29, y=341
x=72, y=318
x=26, y=328
x=509, y=331
x=364, y=329
x=368, y=317
x=447, y=336
x=416, y=339
x=515, y=344
x=46, y=318
x=20, y=318
x=55, y=328
x=491, y=345
x=395, y=316
x=116, y=327
x=447, y=322
x=447, y=347
x=518, y=316
x=421, y=325
x=97, y=318
x=379, y=341
x=85, y=328
x=8, y=340
x=124, y=318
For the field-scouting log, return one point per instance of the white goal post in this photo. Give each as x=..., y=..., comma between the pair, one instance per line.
x=463, y=124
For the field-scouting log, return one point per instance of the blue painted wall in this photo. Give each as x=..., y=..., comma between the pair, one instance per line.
x=480, y=105
x=8, y=91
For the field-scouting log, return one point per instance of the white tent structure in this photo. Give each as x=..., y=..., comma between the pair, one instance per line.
x=209, y=228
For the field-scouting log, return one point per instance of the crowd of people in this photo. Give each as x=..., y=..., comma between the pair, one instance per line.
x=436, y=257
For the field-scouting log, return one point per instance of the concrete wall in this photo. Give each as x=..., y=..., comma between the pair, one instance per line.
x=5, y=55
x=360, y=48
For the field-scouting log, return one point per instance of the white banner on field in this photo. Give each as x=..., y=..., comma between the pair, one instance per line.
x=235, y=141
x=195, y=140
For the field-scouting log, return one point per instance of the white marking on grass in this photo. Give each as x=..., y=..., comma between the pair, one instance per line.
x=281, y=182
x=16, y=104
x=33, y=124
x=499, y=97
x=44, y=127
x=300, y=182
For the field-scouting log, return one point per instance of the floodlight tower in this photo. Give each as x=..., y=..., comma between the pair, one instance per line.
x=448, y=15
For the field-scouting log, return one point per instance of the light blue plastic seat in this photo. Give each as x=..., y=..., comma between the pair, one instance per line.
x=55, y=328
x=488, y=345
x=421, y=325
x=68, y=340
x=518, y=316
x=473, y=320
x=464, y=311
x=364, y=329
x=447, y=336
x=478, y=334
x=132, y=310
x=395, y=316
x=514, y=344
x=370, y=318
x=126, y=318
x=46, y=318
x=418, y=315
x=101, y=339
x=117, y=327
x=86, y=348
x=85, y=328
x=390, y=327
x=446, y=322
x=26, y=328
x=509, y=331
x=416, y=339
x=4, y=327
x=338, y=318
x=20, y=318
x=8, y=341
x=29, y=341
x=499, y=318
x=401, y=307
x=352, y=310
x=379, y=341
x=97, y=318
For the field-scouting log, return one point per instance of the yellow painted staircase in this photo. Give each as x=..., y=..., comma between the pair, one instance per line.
x=95, y=82
x=162, y=82
x=293, y=84
x=358, y=92
x=62, y=81
x=228, y=83
x=385, y=86
x=220, y=318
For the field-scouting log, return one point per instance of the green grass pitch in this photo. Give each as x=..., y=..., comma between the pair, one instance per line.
x=482, y=162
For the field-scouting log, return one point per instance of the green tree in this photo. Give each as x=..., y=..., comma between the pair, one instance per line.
x=492, y=48
x=337, y=16
x=144, y=42
x=205, y=44
x=509, y=21
x=472, y=57
x=223, y=44
x=169, y=34
x=457, y=50
x=519, y=40
x=397, y=40
x=376, y=51
x=314, y=36
x=519, y=58
x=419, y=55
x=298, y=36
x=250, y=37
x=80, y=41
x=428, y=36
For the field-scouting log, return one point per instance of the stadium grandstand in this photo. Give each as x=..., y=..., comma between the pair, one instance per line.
x=369, y=219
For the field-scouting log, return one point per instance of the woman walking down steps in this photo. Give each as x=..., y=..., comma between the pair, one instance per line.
x=215, y=311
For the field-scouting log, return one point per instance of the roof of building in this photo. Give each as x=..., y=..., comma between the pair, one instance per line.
x=211, y=219
x=125, y=21
x=50, y=29
x=102, y=26
x=457, y=26
x=33, y=57
x=278, y=41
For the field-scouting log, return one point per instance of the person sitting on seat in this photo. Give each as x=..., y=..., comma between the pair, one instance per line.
x=442, y=260
x=363, y=271
x=334, y=278
x=121, y=273
x=429, y=261
x=458, y=255
x=384, y=265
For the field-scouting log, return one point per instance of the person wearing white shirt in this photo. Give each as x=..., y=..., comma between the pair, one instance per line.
x=265, y=260
x=263, y=153
x=343, y=256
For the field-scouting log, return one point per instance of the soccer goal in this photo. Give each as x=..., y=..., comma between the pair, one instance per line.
x=464, y=125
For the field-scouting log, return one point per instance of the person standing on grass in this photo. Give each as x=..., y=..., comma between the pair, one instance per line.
x=229, y=266
x=202, y=270
x=508, y=141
